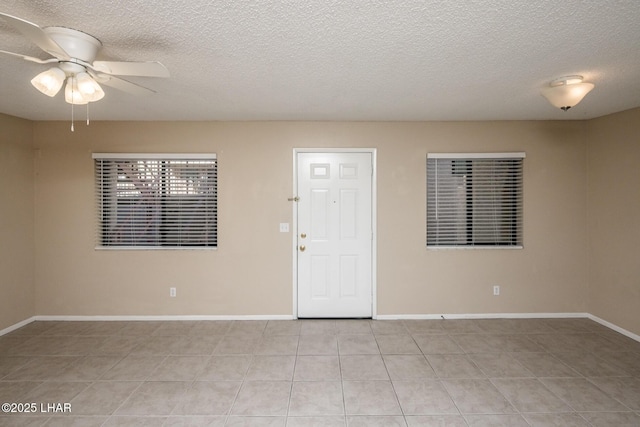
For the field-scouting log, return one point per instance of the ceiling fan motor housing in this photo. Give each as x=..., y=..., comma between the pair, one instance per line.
x=77, y=44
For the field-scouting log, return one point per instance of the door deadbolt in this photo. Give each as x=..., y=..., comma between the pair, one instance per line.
x=303, y=235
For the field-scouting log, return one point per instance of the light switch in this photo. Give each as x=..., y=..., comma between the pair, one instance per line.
x=284, y=227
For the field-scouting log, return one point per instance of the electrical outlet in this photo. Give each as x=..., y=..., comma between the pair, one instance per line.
x=172, y=292
x=496, y=290
x=284, y=227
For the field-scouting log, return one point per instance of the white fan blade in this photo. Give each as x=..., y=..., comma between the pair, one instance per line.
x=123, y=85
x=29, y=58
x=36, y=35
x=124, y=68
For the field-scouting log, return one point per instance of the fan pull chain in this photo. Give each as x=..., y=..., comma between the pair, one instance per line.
x=87, y=114
x=72, y=98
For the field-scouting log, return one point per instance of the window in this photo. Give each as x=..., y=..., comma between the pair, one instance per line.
x=157, y=201
x=474, y=200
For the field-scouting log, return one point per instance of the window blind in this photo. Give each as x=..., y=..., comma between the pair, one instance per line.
x=474, y=200
x=156, y=201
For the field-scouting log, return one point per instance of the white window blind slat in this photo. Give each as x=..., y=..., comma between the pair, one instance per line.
x=156, y=201
x=474, y=200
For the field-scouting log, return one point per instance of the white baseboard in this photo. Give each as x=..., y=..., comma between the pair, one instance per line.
x=614, y=327
x=17, y=326
x=128, y=318
x=481, y=316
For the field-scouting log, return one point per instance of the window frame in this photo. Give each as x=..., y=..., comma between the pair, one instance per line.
x=518, y=199
x=168, y=157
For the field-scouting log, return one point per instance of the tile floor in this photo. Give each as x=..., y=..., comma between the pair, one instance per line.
x=502, y=372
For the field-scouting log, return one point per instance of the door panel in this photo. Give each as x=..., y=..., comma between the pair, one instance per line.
x=334, y=234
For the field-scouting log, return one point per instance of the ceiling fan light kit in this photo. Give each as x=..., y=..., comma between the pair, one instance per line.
x=49, y=82
x=75, y=52
x=567, y=92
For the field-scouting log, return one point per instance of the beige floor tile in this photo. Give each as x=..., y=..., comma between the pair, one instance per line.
x=499, y=365
x=55, y=392
x=247, y=327
x=370, y=398
x=317, y=398
x=581, y=395
x=282, y=327
x=426, y=397
x=225, y=368
x=239, y=421
x=436, y=421
x=133, y=368
x=530, y=395
x=262, y=398
x=179, y=327
x=103, y=398
x=195, y=421
x=424, y=326
x=88, y=368
x=318, y=327
x=318, y=345
x=556, y=420
x=408, y=367
x=179, y=368
x=154, y=398
x=76, y=421
x=363, y=368
x=397, y=344
x=625, y=390
x=454, y=366
x=271, y=368
x=353, y=327
x=496, y=421
x=388, y=327
x=551, y=372
x=607, y=419
x=375, y=421
x=437, y=344
x=477, y=396
x=317, y=368
x=335, y=421
x=196, y=345
x=589, y=365
x=211, y=327
x=237, y=344
x=278, y=345
x=208, y=398
x=357, y=344
x=42, y=368
x=134, y=421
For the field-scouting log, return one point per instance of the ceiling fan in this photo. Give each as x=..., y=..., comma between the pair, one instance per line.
x=74, y=54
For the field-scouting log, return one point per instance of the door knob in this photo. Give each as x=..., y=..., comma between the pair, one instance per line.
x=303, y=235
x=302, y=248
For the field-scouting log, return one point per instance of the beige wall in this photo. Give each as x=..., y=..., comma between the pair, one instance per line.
x=251, y=272
x=614, y=218
x=16, y=221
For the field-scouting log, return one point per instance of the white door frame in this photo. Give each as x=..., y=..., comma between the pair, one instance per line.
x=374, y=209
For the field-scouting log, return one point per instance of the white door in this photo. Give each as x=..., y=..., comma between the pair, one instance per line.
x=335, y=234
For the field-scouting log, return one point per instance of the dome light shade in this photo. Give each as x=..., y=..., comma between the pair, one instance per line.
x=49, y=82
x=567, y=92
x=71, y=93
x=89, y=88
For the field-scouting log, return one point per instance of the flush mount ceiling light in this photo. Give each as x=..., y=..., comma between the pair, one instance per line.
x=566, y=92
x=74, y=54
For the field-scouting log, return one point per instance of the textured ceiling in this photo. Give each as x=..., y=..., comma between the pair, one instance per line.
x=339, y=59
